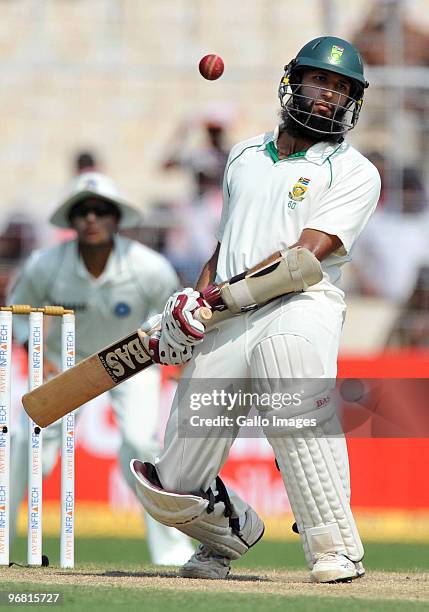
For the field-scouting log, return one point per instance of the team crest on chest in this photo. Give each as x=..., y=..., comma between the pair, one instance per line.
x=297, y=194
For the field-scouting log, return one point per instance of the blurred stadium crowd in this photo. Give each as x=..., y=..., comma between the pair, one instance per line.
x=173, y=164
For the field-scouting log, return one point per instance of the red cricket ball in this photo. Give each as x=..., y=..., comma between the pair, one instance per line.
x=211, y=66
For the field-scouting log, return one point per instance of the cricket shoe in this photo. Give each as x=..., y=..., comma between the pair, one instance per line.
x=333, y=567
x=205, y=563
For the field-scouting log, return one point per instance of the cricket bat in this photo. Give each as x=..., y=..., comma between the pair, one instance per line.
x=91, y=377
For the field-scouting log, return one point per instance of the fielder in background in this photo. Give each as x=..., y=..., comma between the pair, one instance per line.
x=298, y=186
x=113, y=284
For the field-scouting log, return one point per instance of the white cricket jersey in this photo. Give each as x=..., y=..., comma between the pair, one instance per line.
x=135, y=284
x=268, y=202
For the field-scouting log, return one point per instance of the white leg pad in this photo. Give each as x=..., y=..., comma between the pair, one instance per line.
x=318, y=497
x=324, y=539
x=190, y=514
x=339, y=451
x=315, y=467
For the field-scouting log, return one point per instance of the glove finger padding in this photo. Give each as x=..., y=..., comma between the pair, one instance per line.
x=171, y=336
x=179, y=327
x=169, y=355
x=160, y=352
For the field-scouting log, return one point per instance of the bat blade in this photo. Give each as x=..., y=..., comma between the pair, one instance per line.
x=86, y=380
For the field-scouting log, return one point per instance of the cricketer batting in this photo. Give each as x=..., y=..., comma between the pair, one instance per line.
x=298, y=185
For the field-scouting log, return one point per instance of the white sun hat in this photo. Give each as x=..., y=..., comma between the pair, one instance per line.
x=94, y=185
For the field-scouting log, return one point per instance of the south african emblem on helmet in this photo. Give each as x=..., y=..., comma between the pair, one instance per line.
x=298, y=190
x=336, y=53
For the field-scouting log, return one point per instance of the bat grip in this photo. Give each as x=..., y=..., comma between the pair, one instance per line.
x=203, y=313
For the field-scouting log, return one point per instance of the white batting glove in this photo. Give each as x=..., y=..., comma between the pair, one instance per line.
x=158, y=349
x=179, y=327
x=168, y=355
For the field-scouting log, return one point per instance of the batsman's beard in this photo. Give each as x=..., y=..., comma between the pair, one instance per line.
x=317, y=127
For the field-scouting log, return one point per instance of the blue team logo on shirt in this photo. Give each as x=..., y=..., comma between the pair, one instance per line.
x=122, y=310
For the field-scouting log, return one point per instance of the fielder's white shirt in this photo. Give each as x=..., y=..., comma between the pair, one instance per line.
x=268, y=202
x=135, y=284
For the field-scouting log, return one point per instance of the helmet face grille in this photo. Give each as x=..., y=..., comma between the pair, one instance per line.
x=300, y=108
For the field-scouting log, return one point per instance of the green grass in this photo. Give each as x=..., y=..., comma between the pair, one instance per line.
x=270, y=554
x=103, y=599
x=114, y=554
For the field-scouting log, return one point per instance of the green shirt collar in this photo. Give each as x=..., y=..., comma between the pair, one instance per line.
x=274, y=154
x=318, y=154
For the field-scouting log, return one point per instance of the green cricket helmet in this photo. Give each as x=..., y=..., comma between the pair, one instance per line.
x=334, y=55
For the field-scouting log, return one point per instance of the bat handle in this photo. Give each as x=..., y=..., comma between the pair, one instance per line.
x=203, y=314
